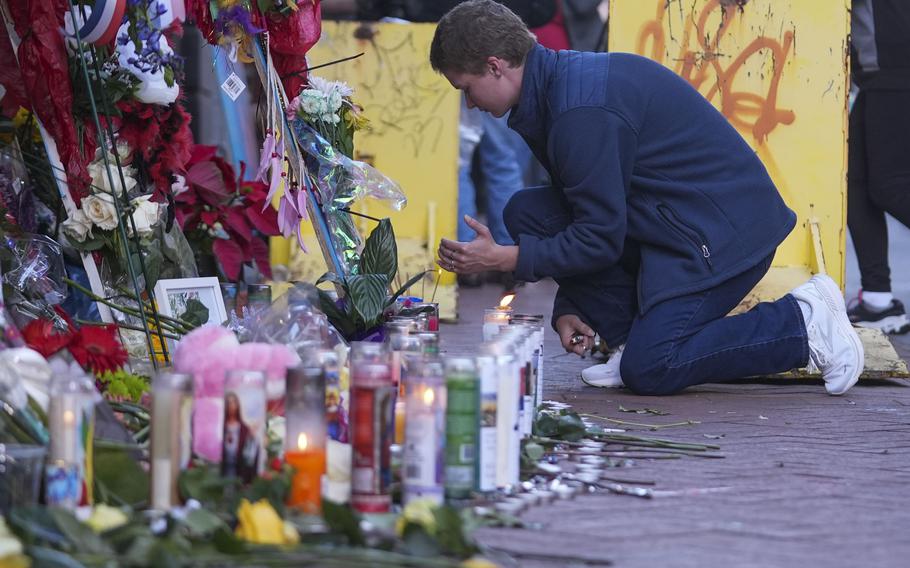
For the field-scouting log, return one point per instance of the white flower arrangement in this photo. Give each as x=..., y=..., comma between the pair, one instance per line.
x=98, y=210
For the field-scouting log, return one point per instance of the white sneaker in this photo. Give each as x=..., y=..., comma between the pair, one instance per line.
x=834, y=347
x=605, y=375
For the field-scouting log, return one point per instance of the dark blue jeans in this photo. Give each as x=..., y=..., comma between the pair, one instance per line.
x=682, y=341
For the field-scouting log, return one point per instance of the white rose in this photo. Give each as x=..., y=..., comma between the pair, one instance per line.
x=78, y=227
x=100, y=209
x=101, y=182
x=145, y=215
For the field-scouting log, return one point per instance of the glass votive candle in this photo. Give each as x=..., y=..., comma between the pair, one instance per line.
x=494, y=319
x=372, y=401
x=171, y=420
x=425, y=431
x=306, y=434
x=243, y=439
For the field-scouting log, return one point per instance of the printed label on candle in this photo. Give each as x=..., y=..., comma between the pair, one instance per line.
x=462, y=423
x=63, y=485
x=423, y=459
x=372, y=433
x=487, y=454
x=243, y=452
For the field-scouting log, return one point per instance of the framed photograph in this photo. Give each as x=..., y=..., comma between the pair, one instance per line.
x=174, y=295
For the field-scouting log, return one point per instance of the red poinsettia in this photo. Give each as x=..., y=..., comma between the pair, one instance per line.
x=218, y=210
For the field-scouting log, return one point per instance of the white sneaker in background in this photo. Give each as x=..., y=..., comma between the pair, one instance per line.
x=605, y=375
x=834, y=347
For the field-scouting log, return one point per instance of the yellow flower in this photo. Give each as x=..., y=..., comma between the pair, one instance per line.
x=23, y=115
x=105, y=518
x=259, y=523
x=419, y=512
x=355, y=118
x=11, y=551
x=478, y=562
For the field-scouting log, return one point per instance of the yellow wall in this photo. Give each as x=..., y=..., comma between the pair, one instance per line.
x=778, y=70
x=414, y=138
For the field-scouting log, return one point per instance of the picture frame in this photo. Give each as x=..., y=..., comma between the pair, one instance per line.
x=171, y=295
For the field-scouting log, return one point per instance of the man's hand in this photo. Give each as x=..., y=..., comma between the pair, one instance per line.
x=479, y=255
x=570, y=325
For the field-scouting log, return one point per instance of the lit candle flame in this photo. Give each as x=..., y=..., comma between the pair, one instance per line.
x=428, y=397
x=506, y=300
x=68, y=417
x=301, y=441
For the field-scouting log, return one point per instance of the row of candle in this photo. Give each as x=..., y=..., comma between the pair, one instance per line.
x=459, y=420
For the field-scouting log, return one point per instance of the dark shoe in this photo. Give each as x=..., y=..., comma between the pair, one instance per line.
x=892, y=320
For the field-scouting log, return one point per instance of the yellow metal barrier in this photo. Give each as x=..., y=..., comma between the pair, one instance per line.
x=413, y=140
x=778, y=70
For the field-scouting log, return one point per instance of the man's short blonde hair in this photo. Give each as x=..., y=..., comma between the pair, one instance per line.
x=475, y=30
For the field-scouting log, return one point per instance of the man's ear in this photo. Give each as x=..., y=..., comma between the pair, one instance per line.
x=495, y=66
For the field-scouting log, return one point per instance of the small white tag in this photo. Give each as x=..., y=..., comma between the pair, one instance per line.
x=233, y=86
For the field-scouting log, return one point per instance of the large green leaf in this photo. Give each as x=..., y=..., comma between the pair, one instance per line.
x=123, y=480
x=380, y=253
x=343, y=322
x=368, y=293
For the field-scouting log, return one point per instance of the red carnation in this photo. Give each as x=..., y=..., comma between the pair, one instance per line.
x=97, y=348
x=41, y=336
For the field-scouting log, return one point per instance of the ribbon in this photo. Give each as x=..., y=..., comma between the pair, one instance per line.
x=103, y=21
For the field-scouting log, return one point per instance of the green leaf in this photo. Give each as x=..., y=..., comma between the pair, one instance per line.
x=343, y=322
x=36, y=525
x=226, y=542
x=418, y=542
x=196, y=313
x=368, y=293
x=330, y=277
x=82, y=537
x=342, y=520
x=450, y=533
x=407, y=285
x=47, y=558
x=571, y=428
x=546, y=425
x=204, y=484
x=202, y=523
x=275, y=489
x=534, y=451
x=380, y=253
x=121, y=477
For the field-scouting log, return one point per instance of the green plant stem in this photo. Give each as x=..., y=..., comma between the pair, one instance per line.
x=124, y=326
x=175, y=325
x=640, y=424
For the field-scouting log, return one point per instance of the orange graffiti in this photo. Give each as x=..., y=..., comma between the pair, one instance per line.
x=747, y=111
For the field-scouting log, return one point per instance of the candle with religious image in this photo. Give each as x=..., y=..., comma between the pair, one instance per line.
x=71, y=420
x=171, y=451
x=425, y=430
x=336, y=414
x=403, y=347
x=243, y=442
x=305, y=440
x=372, y=400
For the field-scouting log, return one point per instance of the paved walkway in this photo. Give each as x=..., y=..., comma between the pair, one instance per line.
x=807, y=479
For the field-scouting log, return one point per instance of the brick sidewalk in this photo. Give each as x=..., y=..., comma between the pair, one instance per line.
x=807, y=479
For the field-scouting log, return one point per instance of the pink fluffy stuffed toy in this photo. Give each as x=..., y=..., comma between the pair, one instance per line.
x=208, y=353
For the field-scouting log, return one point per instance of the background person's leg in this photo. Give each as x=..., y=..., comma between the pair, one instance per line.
x=501, y=172
x=687, y=341
x=605, y=299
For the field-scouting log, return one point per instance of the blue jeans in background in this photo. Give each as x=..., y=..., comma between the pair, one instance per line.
x=682, y=341
x=501, y=176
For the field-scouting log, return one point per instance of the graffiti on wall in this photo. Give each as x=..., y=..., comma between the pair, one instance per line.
x=699, y=54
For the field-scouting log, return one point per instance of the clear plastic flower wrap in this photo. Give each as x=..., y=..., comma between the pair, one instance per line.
x=293, y=320
x=340, y=182
x=34, y=270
